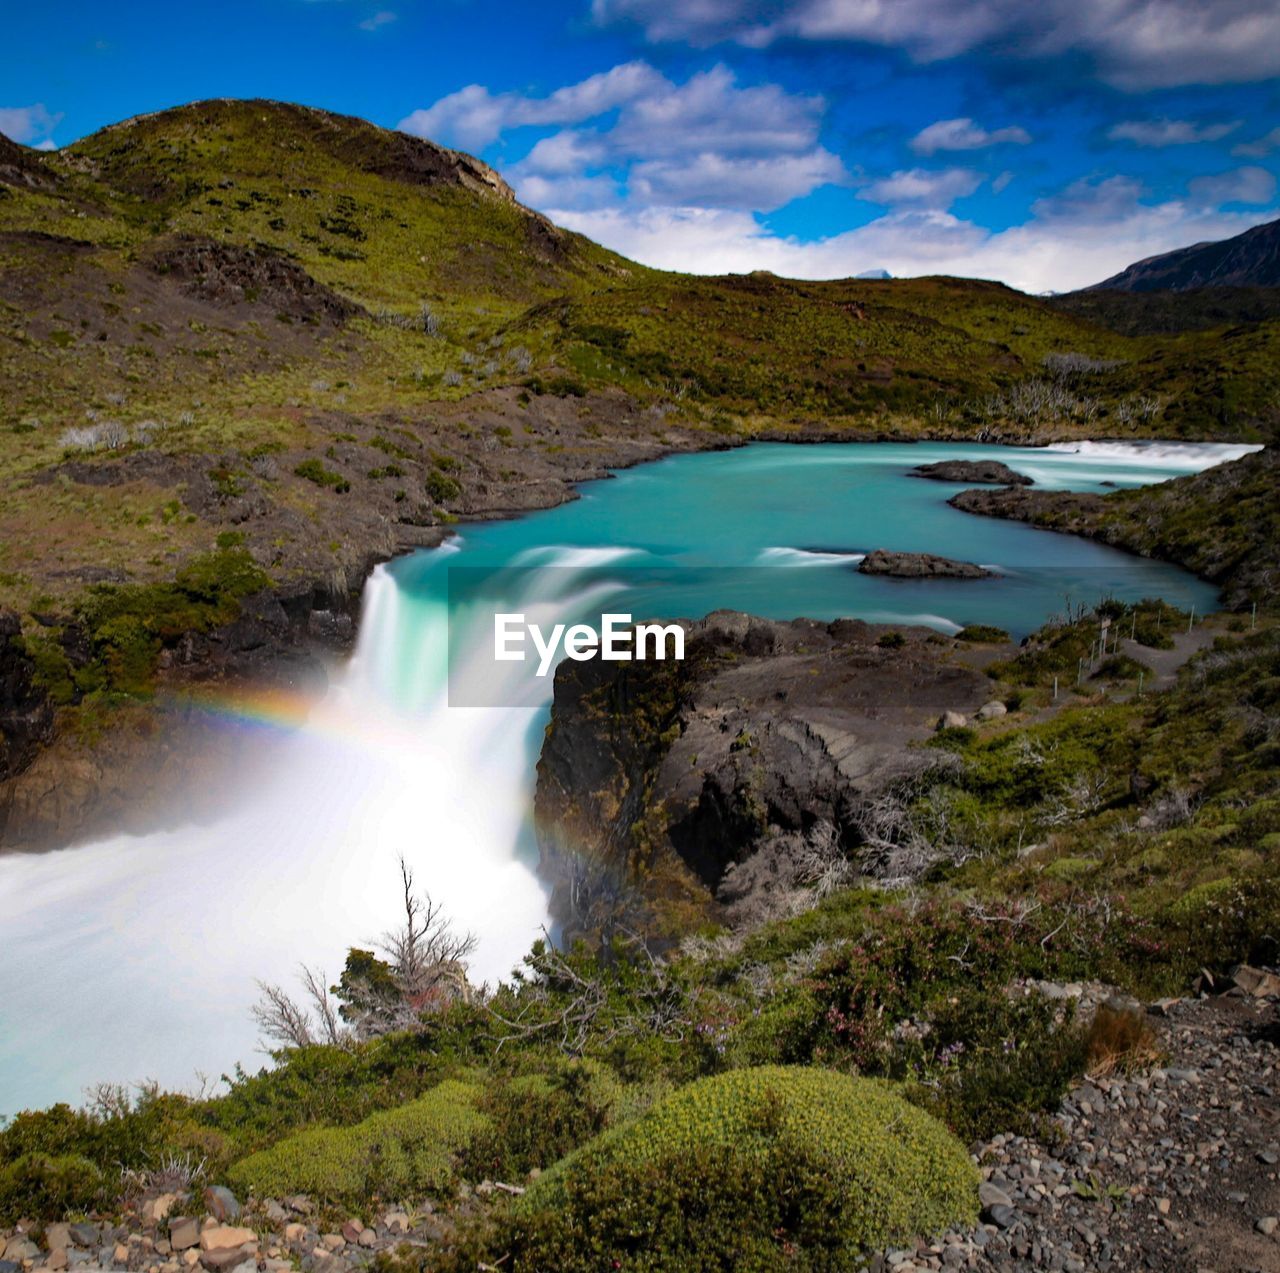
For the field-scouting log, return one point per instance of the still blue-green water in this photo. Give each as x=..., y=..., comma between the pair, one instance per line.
x=136, y=956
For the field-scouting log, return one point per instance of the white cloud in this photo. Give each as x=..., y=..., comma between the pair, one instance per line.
x=30, y=125
x=1169, y=132
x=1069, y=241
x=922, y=186
x=376, y=21
x=1134, y=44
x=964, y=134
x=1260, y=147
x=473, y=117
x=719, y=181
x=1242, y=185
x=708, y=141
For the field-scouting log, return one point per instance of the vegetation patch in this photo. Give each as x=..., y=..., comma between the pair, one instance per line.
x=745, y=1169
x=401, y=1153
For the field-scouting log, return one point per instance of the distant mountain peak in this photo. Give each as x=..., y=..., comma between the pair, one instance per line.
x=874, y=274
x=1251, y=259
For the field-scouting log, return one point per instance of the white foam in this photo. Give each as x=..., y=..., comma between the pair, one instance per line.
x=806, y=557
x=1192, y=456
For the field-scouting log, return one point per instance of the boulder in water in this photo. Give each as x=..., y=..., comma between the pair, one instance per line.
x=990, y=472
x=919, y=566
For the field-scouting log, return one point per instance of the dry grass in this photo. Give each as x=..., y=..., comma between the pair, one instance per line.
x=1120, y=1041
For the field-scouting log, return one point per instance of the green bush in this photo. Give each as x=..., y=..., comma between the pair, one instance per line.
x=399, y=1153
x=746, y=1170
x=998, y=1064
x=46, y=1187
x=441, y=487
x=982, y=633
x=316, y=472
x=535, y=1119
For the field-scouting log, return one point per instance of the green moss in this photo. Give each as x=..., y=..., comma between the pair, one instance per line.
x=738, y=1169
x=401, y=1153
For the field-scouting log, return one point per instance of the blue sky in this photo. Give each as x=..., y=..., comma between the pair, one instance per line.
x=1046, y=144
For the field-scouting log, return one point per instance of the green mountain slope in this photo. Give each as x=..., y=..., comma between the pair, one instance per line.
x=328, y=340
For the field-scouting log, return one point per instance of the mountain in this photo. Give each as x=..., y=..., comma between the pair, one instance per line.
x=1251, y=259
x=248, y=341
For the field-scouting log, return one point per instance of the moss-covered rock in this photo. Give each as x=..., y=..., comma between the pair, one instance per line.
x=735, y=1170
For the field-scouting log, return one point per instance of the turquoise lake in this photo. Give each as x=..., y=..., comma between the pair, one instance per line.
x=136, y=957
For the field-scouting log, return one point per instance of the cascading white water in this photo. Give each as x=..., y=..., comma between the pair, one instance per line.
x=186, y=920
x=135, y=957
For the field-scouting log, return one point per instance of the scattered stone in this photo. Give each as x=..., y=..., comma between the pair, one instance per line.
x=155, y=1210
x=1267, y=1225
x=224, y=1237
x=221, y=1204
x=57, y=1237
x=1256, y=982
x=184, y=1232
x=952, y=720
x=295, y=1233
x=396, y=1222
x=19, y=1248
x=992, y=710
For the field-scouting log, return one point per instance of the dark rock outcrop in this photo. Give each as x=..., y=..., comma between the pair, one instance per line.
x=229, y=274
x=992, y=472
x=681, y=790
x=26, y=715
x=918, y=566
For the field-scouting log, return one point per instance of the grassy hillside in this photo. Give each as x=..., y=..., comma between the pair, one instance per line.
x=269, y=326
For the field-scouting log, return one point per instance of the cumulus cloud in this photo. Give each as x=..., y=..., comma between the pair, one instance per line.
x=473, y=117
x=1260, y=147
x=922, y=186
x=1070, y=240
x=1169, y=132
x=708, y=141
x=721, y=181
x=30, y=125
x=1251, y=185
x=376, y=21
x=1133, y=44
x=964, y=134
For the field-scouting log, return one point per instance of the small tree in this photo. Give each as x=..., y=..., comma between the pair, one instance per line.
x=422, y=969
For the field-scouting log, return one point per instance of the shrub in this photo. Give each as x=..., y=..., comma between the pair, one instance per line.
x=316, y=472
x=982, y=633
x=46, y=1187
x=400, y=1153
x=745, y=1170
x=535, y=1119
x=998, y=1064
x=441, y=487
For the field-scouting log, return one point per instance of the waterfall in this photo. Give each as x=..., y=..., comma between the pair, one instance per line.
x=150, y=946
